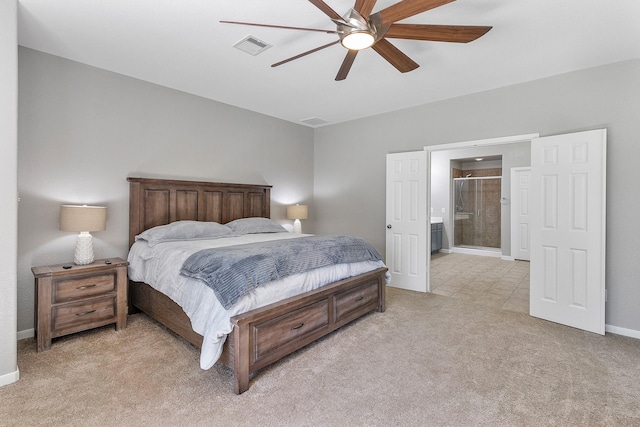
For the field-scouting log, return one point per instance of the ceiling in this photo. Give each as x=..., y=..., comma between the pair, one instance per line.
x=180, y=44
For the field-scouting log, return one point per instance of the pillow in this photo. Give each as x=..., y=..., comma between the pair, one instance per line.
x=255, y=225
x=184, y=230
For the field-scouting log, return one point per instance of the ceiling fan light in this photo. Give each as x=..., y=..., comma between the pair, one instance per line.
x=358, y=40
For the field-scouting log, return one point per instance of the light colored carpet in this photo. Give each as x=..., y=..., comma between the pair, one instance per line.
x=428, y=360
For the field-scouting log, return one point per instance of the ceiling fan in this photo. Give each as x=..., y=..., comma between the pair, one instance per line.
x=360, y=29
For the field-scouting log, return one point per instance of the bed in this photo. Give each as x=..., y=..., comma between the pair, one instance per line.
x=260, y=336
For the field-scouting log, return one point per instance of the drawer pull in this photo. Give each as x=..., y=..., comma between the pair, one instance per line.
x=86, y=286
x=298, y=326
x=359, y=299
x=84, y=313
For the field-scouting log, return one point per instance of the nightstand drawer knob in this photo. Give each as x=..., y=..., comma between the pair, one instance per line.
x=84, y=313
x=87, y=286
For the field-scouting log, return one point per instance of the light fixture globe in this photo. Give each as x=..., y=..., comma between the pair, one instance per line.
x=358, y=40
x=356, y=33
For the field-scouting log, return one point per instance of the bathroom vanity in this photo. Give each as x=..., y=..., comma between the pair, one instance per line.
x=436, y=234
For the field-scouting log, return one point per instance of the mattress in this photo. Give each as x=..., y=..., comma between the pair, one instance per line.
x=159, y=266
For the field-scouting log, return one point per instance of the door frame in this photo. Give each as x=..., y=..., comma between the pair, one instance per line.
x=456, y=145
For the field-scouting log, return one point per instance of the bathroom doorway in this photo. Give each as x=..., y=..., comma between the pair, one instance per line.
x=470, y=188
x=485, y=159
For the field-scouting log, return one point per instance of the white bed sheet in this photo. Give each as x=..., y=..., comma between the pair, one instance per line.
x=159, y=266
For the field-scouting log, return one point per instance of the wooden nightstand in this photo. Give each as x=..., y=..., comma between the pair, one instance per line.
x=79, y=298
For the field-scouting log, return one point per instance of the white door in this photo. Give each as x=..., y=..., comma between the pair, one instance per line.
x=568, y=229
x=520, y=227
x=406, y=242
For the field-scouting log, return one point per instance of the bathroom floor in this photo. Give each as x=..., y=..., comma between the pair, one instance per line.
x=483, y=280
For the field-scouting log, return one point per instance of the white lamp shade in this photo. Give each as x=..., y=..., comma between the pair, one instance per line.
x=297, y=212
x=83, y=218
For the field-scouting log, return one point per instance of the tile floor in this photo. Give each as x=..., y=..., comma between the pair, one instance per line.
x=483, y=280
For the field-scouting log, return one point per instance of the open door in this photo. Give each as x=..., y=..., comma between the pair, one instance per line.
x=520, y=209
x=568, y=190
x=406, y=241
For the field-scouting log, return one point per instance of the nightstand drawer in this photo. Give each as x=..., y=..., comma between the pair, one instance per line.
x=83, y=315
x=82, y=287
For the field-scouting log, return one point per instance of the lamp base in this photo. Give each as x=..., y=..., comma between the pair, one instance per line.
x=84, y=249
x=297, y=226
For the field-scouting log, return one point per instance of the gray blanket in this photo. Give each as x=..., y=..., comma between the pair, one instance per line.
x=236, y=270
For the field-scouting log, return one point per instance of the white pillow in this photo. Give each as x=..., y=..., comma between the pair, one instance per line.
x=255, y=225
x=185, y=230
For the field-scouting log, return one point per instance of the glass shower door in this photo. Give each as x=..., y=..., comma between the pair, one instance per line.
x=477, y=220
x=465, y=233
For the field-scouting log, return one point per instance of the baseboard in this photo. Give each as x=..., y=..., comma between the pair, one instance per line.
x=622, y=331
x=477, y=252
x=10, y=378
x=508, y=258
x=446, y=251
x=27, y=333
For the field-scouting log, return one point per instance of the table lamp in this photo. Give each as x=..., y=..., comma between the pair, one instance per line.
x=297, y=212
x=83, y=219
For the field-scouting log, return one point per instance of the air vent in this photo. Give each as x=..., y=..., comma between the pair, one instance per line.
x=314, y=121
x=252, y=45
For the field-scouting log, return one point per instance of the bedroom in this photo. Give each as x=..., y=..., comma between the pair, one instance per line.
x=83, y=130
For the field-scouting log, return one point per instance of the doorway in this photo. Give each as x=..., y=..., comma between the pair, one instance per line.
x=470, y=225
x=476, y=225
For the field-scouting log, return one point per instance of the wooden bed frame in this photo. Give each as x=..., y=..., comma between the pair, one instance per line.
x=264, y=335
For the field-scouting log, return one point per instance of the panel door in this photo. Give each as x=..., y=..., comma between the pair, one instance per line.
x=568, y=187
x=520, y=221
x=406, y=238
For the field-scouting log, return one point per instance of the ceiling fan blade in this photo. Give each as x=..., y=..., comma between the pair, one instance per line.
x=305, y=53
x=394, y=56
x=436, y=33
x=326, y=9
x=406, y=8
x=280, y=26
x=346, y=65
x=364, y=7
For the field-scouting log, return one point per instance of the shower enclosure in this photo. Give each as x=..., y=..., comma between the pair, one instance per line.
x=477, y=219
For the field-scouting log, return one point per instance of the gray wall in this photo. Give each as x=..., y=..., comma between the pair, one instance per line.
x=349, y=194
x=83, y=130
x=8, y=188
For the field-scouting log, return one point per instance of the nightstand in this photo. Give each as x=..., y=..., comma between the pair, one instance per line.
x=69, y=300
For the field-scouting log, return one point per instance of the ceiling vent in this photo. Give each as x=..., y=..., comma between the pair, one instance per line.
x=252, y=45
x=314, y=121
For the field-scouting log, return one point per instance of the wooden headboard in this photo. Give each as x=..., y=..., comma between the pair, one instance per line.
x=154, y=202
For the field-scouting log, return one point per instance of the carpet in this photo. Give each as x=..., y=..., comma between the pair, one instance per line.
x=429, y=360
